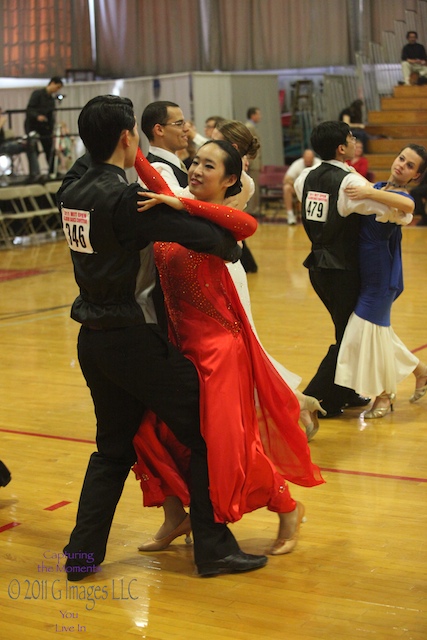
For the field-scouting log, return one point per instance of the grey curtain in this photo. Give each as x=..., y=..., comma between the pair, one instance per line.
x=41, y=38
x=147, y=37
x=277, y=34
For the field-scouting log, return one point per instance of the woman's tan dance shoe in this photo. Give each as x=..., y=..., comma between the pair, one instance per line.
x=158, y=544
x=308, y=416
x=419, y=391
x=287, y=545
x=380, y=412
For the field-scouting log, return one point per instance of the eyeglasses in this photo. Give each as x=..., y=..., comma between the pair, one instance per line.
x=178, y=123
x=352, y=137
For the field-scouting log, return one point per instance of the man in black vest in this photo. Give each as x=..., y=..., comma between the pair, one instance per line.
x=167, y=131
x=333, y=263
x=128, y=363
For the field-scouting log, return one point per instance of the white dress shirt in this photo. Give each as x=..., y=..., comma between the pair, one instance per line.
x=346, y=205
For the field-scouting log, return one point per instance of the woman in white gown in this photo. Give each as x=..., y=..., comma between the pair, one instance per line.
x=247, y=145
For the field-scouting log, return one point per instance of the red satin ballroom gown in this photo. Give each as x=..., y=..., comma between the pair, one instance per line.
x=248, y=415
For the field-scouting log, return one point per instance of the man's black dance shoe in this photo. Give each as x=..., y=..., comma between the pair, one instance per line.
x=334, y=413
x=358, y=401
x=5, y=476
x=234, y=563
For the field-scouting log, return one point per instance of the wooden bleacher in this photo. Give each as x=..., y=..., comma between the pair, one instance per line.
x=402, y=120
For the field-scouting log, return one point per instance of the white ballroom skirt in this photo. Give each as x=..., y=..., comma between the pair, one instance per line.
x=372, y=359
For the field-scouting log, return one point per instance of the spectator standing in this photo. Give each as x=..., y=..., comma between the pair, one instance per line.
x=41, y=117
x=254, y=117
x=210, y=124
x=308, y=159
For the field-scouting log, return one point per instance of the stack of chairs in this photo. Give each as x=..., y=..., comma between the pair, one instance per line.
x=271, y=190
x=28, y=214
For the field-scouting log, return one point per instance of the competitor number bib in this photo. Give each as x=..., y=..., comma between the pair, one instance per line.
x=76, y=225
x=317, y=206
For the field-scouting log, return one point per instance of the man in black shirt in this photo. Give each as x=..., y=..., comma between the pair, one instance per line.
x=128, y=364
x=40, y=116
x=414, y=58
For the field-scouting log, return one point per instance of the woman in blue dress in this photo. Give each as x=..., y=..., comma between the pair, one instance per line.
x=372, y=359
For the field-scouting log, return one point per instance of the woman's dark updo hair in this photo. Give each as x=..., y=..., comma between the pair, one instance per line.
x=232, y=165
x=422, y=153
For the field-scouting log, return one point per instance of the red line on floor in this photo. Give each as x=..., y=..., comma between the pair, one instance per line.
x=46, y=435
x=344, y=471
x=419, y=348
x=58, y=505
x=375, y=475
x=5, y=527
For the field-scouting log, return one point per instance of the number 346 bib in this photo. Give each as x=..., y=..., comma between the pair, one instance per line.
x=76, y=225
x=317, y=206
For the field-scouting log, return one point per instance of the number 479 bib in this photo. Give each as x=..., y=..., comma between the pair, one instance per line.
x=76, y=225
x=317, y=206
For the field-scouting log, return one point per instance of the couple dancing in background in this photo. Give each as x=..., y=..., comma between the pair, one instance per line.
x=372, y=359
x=249, y=415
x=355, y=264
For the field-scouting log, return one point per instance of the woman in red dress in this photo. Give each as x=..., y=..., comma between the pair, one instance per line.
x=248, y=414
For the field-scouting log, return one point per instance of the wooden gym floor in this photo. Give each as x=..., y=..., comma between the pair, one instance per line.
x=359, y=570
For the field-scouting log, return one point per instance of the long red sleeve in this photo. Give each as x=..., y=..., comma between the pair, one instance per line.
x=241, y=225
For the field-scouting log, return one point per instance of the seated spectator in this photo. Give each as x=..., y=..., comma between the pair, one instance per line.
x=308, y=159
x=353, y=116
x=10, y=146
x=359, y=162
x=414, y=59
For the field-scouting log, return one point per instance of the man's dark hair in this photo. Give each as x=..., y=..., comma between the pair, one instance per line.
x=251, y=111
x=101, y=123
x=409, y=33
x=327, y=136
x=56, y=80
x=155, y=113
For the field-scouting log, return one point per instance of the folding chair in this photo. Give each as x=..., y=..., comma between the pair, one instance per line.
x=51, y=191
x=15, y=221
x=39, y=204
x=26, y=213
x=271, y=188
